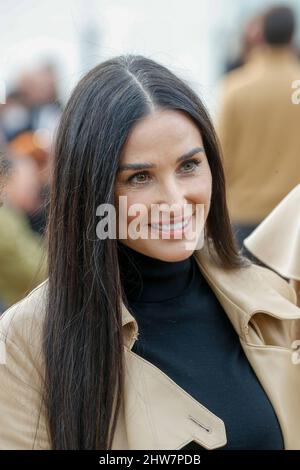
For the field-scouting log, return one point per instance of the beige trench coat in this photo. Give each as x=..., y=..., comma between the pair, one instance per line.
x=276, y=240
x=157, y=413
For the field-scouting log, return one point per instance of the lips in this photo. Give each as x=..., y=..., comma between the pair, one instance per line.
x=172, y=227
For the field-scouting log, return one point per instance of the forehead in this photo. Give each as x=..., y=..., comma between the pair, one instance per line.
x=162, y=133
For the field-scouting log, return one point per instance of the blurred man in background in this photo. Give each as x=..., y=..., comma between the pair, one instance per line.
x=28, y=121
x=259, y=126
x=22, y=252
x=250, y=39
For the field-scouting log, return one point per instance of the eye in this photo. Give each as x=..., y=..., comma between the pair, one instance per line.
x=190, y=165
x=138, y=178
x=143, y=177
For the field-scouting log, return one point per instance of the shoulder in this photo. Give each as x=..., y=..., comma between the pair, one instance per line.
x=275, y=281
x=11, y=221
x=249, y=278
x=22, y=322
x=22, y=412
x=247, y=281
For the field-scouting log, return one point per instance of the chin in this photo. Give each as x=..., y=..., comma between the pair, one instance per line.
x=168, y=251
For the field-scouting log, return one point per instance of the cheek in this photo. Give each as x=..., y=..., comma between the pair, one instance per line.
x=207, y=192
x=136, y=200
x=200, y=191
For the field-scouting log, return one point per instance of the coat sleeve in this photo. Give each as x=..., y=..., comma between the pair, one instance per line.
x=22, y=414
x=22, y=257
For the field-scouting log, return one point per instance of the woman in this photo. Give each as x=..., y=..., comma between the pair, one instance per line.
x=138, y=341
x=276, y=241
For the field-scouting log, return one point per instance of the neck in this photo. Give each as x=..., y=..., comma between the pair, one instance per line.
x=147, y=279
x=272, y=53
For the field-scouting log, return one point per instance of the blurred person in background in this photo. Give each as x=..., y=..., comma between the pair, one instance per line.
x=28, y=121
x=38, y=89
x=33, y=104
x=259, y=125
x=251, y=38
x=14, y=116
x=22, y=260
x=2, y=175
x=2, y=183
x=36, y=147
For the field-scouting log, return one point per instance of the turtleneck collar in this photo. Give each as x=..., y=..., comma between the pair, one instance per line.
x=147, y=279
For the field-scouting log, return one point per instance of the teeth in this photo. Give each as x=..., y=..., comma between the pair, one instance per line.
x=169, y=227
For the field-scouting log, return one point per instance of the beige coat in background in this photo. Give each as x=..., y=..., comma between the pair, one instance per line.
x=259, y=130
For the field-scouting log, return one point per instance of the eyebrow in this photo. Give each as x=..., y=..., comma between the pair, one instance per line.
x=144, y=166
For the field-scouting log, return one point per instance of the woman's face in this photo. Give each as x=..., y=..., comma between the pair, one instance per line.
x=156, y=173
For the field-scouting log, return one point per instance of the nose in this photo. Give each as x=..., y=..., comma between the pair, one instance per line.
x=170, y=192
x=171, y=196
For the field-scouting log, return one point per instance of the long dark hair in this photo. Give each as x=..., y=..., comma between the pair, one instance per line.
x=83, y=339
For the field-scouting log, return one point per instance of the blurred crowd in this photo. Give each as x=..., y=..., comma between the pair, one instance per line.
x=258, y=125
x=258, y=121
x=28, y=120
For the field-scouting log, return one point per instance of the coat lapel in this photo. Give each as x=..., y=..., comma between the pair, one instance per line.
x=159, y=414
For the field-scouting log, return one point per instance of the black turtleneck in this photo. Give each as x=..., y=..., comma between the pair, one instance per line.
x=149, y=279
x=184, y=331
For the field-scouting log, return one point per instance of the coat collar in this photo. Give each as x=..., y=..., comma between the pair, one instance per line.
x=242, y=293
x=267, y=55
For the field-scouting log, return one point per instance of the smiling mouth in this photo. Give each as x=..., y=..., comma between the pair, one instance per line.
x=178, y=226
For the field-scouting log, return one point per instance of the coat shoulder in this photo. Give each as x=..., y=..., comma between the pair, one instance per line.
x=278, y=283
x=22, y=414
x=22, y=322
